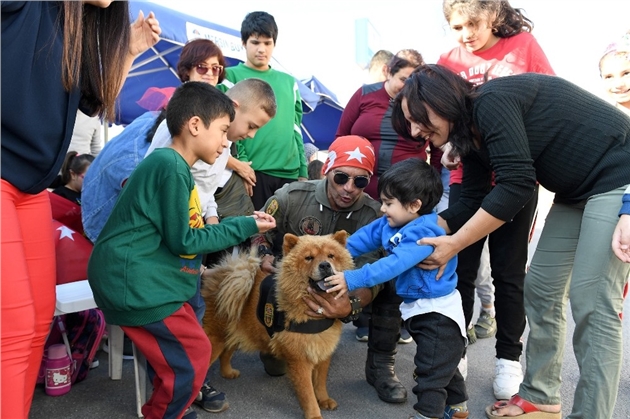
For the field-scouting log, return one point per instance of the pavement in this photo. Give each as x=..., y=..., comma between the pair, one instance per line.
x=256, y=395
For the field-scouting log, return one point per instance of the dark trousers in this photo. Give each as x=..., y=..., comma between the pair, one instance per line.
x=440, y=346
x=265, y=187
x=508, y=259
x=385, y=320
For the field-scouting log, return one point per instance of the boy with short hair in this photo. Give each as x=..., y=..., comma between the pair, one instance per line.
x=145, y=265
x=255, y=105
x=279, y=159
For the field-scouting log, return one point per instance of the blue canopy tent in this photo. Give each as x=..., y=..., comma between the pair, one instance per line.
x=322, y=112
x=157, y=67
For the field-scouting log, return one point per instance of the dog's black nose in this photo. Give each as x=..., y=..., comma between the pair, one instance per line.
x=325, y=268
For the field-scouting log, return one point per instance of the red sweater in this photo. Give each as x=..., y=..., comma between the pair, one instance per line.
x=515, y=55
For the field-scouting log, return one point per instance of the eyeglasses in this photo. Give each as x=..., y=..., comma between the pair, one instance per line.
x=342, y=178
x=202, y=69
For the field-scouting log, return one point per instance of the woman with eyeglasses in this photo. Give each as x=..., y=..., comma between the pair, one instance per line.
x=201, y=60
x=368, y=114
x=527, y=128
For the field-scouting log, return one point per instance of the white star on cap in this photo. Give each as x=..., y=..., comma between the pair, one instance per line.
x=355, y=154
x=66, y=232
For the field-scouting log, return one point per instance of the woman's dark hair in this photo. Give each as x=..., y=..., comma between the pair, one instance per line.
x=447, y=94
x=74, y=163
x=197, y=99
x=259, y=23
x=508, y=21
x=409, y=180
x=196, y=52
x=95, y=47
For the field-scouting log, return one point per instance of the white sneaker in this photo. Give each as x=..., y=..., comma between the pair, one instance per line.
x=463, y=367
x=508, y=376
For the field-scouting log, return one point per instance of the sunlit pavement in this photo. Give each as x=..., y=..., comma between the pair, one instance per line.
x=256, y=395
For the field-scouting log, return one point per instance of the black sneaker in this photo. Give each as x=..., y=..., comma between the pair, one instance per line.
x=211, y=400
x=190, y=414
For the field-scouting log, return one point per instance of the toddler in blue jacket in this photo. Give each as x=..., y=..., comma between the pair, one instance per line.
x=431, y=307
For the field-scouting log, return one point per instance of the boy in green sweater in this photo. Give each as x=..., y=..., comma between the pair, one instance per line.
x=278, y=156
x=145, y=265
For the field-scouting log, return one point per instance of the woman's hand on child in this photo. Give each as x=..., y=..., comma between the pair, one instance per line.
x=337, y=283
x=264, y=221
x=621, y=239
x=451, y=162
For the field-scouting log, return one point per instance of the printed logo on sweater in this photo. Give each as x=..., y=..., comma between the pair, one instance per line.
x=311, y=226
x=195, y=219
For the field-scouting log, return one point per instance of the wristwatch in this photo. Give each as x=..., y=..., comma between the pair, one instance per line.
x=355, y=310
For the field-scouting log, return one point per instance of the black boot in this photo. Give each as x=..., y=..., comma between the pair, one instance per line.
x=379, y=372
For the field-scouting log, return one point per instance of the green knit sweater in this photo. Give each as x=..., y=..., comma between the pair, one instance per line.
x=277, y=149
x=146, y=261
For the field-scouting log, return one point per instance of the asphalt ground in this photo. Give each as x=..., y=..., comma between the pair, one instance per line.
x=256, y=395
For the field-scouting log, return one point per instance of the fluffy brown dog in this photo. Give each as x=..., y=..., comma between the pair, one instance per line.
x=232, y=290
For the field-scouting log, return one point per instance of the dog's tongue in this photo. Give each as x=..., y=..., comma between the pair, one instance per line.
x=321, y=284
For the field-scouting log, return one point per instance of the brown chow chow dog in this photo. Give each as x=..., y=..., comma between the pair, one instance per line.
x=231, y=291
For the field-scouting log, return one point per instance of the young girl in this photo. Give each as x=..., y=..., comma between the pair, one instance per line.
x=495, y=41
x=432, y=311
x=72, y=173
x=614, y=68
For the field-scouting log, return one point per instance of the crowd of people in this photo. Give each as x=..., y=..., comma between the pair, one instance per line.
x=434, y=173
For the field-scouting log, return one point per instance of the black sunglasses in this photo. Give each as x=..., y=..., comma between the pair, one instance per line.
x=342, y=178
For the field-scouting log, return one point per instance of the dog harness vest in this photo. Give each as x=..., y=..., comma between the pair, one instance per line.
x=274, y=319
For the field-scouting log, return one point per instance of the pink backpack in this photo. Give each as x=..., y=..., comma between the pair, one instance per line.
x=81, y=332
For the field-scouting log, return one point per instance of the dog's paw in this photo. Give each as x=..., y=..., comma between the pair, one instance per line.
x=230, y=374
x=328, y=404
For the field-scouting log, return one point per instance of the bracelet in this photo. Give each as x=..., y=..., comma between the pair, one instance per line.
x=355, y=310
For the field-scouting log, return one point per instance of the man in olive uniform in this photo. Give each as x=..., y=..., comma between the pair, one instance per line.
x=321, y=207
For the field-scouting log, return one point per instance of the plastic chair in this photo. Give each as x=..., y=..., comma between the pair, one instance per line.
x=77, y=296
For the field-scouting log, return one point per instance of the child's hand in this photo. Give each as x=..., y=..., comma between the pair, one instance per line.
x=337, y=282
x=264, y=221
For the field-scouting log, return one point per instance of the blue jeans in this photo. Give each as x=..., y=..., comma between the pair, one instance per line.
x=574, y=262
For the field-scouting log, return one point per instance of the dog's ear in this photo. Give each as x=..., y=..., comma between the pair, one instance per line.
x=290, y=240
x=341, y=236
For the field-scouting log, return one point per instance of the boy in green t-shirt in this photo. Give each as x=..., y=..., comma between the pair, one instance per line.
x=145, y=265
x=277, y=156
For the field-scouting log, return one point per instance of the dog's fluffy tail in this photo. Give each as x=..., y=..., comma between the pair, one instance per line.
x=231, y=282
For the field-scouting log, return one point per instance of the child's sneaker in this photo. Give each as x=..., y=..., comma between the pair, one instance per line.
x=508, y=376
x=190, y=414
x=459, y=411
x=486, y=326
x=211, y=400
x=405, y=337
x=362, y=334
x=471, y=334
